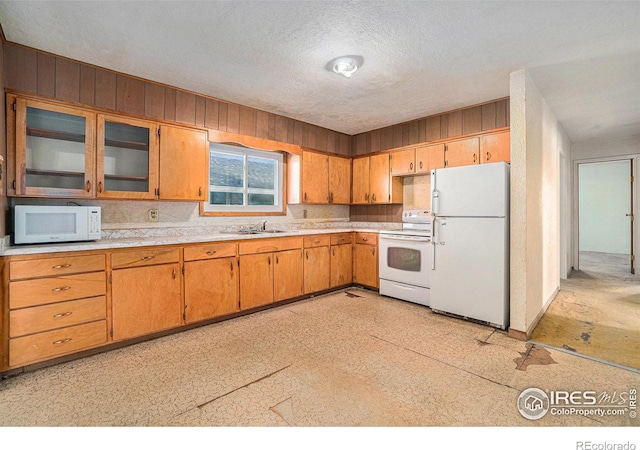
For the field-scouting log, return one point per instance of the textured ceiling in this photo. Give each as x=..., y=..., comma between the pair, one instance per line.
x=420, y=57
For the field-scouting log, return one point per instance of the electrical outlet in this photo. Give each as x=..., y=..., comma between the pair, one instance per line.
x=153, y=215
x=304, y=213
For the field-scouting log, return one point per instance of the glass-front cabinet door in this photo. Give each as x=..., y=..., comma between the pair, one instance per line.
x=127, y=158
x=54, y=150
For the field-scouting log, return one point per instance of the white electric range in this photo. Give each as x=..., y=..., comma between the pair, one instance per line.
x=405, y=258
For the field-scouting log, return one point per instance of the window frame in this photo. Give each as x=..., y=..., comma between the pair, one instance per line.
x=207, y=209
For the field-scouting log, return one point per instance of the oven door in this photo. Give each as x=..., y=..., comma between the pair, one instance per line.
x=405, y=259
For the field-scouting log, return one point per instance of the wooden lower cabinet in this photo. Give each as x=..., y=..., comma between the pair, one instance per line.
x=317, y=269
x=210, y=288
x=287, y=274
x=37, y=347
x=341, y=265
x=365, y=260
x=145, y=300
x=256, y=280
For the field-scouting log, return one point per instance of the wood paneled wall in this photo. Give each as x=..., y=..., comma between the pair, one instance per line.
x=4, y=202
x=41, y=73
x=375, y=213
x=474, y=119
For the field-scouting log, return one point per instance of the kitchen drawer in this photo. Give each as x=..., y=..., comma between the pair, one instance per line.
x=269, y=245
x=56, y=289
x=342, y=238
x=317, y=241
x=57, y=315
x=41, y=346
x=48, y=267
x=367, y=238
x=138, y=258
x=209, y=251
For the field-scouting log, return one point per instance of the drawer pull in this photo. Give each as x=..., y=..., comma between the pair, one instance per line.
x=147, y=258
x=62, y=341
x=61, y=266
x=65, y=314
x=60, y=289
x=365, y=239
x=211, y=252
x=317, y=241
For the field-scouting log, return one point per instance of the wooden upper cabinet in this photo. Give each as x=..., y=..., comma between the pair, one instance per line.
x=339, y=180
x=184, y=163
x=324, y=179
x=462, y=152
x=360, y=181
x=495, y=147
x=51, y=149
x=127, y=158
x=429, y=157
x=315, y=177
x=403, y=162
x=383, y=187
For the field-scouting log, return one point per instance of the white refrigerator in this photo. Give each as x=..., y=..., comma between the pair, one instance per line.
x=470, y=258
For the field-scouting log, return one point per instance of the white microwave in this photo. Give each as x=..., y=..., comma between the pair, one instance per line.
x=37, y=224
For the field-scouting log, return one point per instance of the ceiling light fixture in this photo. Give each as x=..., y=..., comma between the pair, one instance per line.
x=345, y=65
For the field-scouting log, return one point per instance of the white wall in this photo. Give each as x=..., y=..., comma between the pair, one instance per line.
x=539, y=148
x=604, y=199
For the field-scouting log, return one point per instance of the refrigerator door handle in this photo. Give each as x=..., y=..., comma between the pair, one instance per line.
x=434, y=241
x=435, y=201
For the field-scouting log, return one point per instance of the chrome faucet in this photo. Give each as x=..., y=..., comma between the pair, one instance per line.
x=260, y=226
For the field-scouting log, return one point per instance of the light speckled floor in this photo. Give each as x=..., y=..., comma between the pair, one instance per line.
x=335, y=360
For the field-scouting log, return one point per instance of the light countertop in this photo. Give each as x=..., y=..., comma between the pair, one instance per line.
x=109, y=244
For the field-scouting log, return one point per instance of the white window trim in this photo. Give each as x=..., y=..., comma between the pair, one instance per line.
x=246, y=152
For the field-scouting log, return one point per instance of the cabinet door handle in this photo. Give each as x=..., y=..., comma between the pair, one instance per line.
x=366, y=197
x=173, y=273
x=199, y=192
x=211, y=252
x=305, y=196
x=277, y=260
x=147, y=258
x=231, y=265
x=333, y=252
x=88, y=186
x=61, y=266
x=474, y=157
x=373, y=197
x=269, y=260
x=100, y=187
x=488, y=156
x=410, y=166
x=421, y=164
x=62, y=341
x=373, y=251
x=64, y=314
x=307, y=254
x=61, y=289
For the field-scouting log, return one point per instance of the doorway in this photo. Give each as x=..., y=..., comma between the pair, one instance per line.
x=605, y=217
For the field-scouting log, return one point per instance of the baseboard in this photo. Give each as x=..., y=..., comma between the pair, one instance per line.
x=517, y=334
x=524, y=335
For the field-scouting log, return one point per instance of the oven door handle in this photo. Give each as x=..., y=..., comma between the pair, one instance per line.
x=399, y=238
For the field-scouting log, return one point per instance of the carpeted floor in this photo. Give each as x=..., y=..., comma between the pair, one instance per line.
x=597, y=312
